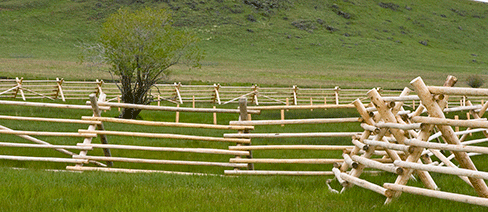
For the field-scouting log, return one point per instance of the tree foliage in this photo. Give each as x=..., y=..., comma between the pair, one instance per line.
x=140, y=46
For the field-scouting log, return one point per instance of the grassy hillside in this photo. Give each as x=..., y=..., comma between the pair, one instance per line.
x=351, y=43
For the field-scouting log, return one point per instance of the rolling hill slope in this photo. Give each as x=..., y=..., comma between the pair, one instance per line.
x=352, y=43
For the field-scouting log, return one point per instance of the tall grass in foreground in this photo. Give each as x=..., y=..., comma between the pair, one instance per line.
x=34, y=190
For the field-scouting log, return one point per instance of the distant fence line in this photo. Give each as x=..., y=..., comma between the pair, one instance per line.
x=190, y=94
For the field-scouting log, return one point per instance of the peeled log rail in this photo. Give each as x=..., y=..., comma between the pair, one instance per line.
x=365, y=184
x=166, y=149
x=449, y=147
x=163, y=135
x=438, y=194
x=295, y=121
x=168, y=124
x=174, y=109
x=458, y=91
x=401, y=98
x=398, y=126
x=443, y=170
x=44, y=146
x=301, y=107
x=84, y=168
x=294, y=161
x=43, y=159
x=154, y=161
x=49, y=105
x=399, y=147
x=292, y=147
x=289, y=173
x=377, y=165
x=36, y=133
x=72, y=121
x=456, y=123
x=291, y=135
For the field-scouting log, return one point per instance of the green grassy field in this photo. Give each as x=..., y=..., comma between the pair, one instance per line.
x=33, y=189
x=320, y=43
x=309, y=43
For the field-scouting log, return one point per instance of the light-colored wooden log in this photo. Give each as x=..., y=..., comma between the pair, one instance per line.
x=104, y=169
x=168, y=124
x=43, y=146
x=475, y=141
x=483, y=109
x=449, y=147
x=377, y=165
x=435, y=111
x=292, y=135
x=164, y=135
x=292, y=147
x=444, y=170
x=386, y=145
x=268, y=172
x=42, y=159
x=337, y=174
x=438, y=194
x=294, y=121
x=286, y=161
x=49, y=105
x=360, y=144
x=473, y=123
x=388, y=116
x=155, y=161
x=458, y=91
x=365, y=184
x=301, y=107
x=401, y=98
x=173, y=109
x=462, y=108
x=72, y=121
x=295, y=161
x=349, y=161
x=38, y=133
x=398, y=126
x=97, y=113
x=167, y=149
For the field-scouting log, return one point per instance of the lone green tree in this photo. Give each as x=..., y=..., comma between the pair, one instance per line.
x=140, y=46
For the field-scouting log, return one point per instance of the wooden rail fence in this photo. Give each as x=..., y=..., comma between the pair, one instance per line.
x=397, y=138
x=410, y=142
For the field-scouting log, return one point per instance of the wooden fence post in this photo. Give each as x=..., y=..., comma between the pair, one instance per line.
x=216, y=94
x=295, y=89
x=177, y=92
x=336, y=93
x=255, y=94
x=19, y=88
x=103, y=138
x=59, y=89
x=243, y=116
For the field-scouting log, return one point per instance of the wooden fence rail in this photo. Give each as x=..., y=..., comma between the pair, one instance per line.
x=414, y=136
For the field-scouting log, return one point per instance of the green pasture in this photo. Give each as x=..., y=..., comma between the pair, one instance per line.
x=307, y=43
x=32, y=188
x=320, y=43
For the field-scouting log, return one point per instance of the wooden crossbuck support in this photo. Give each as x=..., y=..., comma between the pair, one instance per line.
x=103, y=138
x=435, y=110
x=59, y=89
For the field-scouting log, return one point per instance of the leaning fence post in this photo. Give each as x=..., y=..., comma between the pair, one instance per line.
x=336, y=93
x=243, y=116
x=103, y=138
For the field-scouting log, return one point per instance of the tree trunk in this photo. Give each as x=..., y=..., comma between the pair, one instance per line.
x=129, y=113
